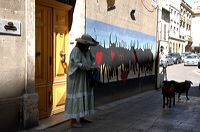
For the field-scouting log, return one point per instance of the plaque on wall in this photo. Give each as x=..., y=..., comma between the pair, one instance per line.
x=10, y=27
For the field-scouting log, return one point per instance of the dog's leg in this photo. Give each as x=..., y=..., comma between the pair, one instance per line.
x=174, y=100
x=167, y=101
x=187, y=95
x=163, y=101
x=179, y=94
x=170, y=101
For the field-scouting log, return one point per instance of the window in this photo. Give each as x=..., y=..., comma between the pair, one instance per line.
x=165, y=15
x=164, y=31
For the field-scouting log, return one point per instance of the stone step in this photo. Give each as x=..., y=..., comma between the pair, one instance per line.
x=55, y=123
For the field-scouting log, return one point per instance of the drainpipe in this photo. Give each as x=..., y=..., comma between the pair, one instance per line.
x=157, y=47
x=85, y=17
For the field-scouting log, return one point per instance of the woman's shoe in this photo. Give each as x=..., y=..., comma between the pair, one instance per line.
x=83, y=120
x=77, y=126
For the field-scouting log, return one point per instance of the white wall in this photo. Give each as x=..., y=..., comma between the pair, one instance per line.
x=78, y=24
x=195, y=30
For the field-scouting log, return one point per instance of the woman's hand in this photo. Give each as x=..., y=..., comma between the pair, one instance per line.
x=83, y=66
x=87, y=67
x=95, y=67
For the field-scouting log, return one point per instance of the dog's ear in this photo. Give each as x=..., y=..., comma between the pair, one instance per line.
x=191, y=82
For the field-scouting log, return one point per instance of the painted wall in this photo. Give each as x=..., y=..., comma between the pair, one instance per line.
x=122, y=53
x=127, y=47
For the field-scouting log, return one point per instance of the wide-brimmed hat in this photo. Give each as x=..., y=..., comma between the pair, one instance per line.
x=87, y=39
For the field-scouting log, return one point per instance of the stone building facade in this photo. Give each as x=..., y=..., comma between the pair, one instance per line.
x=175, y=43
x=179, y=30
x=17, y=60
x=163, y=26
x=33, y=82
x=195, y=25
x=185, y=26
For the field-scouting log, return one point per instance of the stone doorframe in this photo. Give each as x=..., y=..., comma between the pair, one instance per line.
x=29, y=103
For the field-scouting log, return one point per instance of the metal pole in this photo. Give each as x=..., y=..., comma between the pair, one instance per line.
x=157, y=48
x=85, y=16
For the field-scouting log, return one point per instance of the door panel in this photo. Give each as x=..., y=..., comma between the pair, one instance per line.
x=43, y=58
x=60, y=44
x=59, y=91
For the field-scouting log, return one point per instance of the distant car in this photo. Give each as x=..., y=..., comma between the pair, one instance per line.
x=176, y=57
x=191, y=60
x=184, y=55
x=168, y=60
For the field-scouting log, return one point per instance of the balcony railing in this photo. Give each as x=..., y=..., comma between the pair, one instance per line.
x=188, y=38
x=189, y=21
x=182, y=18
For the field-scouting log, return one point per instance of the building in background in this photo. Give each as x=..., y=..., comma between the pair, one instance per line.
x=175, y=43
x=195, y=26
x=163, y=26
x=179, y=30
x=185, y=26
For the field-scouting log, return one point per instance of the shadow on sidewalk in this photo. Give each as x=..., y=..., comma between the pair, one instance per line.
x=194, y=91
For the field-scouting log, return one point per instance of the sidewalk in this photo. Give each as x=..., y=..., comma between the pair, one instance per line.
x=139, y=113
x=143, y=113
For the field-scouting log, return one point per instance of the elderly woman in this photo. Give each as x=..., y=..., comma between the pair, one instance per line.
x=80, y=98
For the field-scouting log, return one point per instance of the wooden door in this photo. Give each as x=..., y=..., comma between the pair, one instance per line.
x=60, y=37
x=51, y=39
x=43, y=59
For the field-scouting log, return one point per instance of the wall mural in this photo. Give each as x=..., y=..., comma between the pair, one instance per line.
x=122, y=53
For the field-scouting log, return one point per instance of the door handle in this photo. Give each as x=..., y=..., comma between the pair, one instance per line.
x=37, y=53
x=63, y=56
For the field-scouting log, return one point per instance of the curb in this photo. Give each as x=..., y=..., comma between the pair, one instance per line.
x=197, y=71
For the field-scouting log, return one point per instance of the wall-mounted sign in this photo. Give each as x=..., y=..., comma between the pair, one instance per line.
x=10, y=27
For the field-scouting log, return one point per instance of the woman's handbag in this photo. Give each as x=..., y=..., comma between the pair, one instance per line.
x=94, y=77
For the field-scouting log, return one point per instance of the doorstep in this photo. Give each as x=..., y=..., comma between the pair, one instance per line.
x=51, y=124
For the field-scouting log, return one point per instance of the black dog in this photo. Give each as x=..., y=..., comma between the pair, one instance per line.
x=168, y=92
x=182, y=87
